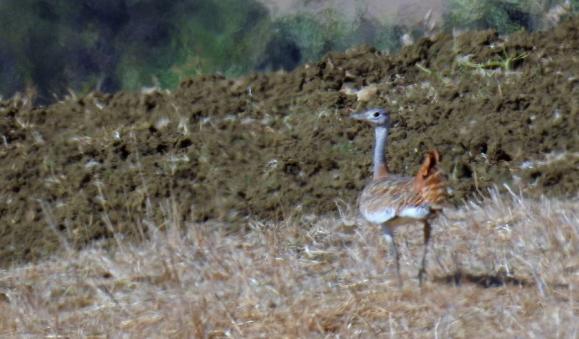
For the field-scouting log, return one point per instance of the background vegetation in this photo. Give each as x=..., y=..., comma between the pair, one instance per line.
x=80, y=45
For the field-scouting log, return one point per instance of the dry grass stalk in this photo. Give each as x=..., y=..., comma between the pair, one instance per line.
x=502, y=267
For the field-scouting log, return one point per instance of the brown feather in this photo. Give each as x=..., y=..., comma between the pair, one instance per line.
x=428, y=187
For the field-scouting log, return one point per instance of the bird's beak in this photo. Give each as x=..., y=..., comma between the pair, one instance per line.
x=358, y=116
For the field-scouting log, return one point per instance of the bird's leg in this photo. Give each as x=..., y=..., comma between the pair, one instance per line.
x=422, y=272
x=389, y=237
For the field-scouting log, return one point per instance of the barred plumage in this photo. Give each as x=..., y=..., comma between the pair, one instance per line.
x=392, y=200
x=396, y=193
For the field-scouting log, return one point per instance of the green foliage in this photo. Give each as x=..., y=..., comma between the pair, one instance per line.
x=506, y=16
x=205, y=37
x=59, y=45
x=127, y=44
x=388, y=38
x=314, y=35
x=478, y=14
x=506, y=62
x=226, y=35
x=36, y=40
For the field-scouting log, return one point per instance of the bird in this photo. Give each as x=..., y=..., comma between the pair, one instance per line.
x=392, y=200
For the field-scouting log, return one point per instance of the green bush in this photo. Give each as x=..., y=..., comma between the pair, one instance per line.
x=205, y=37
x=314, y=35
x=506, y=16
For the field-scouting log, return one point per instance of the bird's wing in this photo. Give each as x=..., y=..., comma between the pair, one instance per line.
x=383, y=200
x=394, y=196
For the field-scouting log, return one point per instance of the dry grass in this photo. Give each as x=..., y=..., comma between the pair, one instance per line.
x=503, y=267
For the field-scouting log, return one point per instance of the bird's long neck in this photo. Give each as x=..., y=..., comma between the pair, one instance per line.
x=380, y=167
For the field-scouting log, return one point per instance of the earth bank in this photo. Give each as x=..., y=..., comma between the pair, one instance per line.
x=278, y=145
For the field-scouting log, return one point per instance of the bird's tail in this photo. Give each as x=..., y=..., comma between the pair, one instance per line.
x=431, y=180
x=430, y=164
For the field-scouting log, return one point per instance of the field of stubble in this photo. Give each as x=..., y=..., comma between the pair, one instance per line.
x=501, y=267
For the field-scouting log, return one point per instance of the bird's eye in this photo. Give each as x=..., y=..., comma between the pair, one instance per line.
x=376, y=114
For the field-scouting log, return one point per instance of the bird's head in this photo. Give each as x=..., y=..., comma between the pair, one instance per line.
x=375, y=116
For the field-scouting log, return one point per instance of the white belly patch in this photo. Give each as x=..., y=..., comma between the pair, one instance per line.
x=418, y=212
x=379, y=216
x=387, y=214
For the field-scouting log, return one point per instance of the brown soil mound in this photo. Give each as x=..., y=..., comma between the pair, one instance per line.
x=269, y=146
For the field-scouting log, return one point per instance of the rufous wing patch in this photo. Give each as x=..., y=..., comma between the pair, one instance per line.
x=429, y=164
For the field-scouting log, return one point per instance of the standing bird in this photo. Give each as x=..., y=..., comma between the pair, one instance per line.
x=391, y=200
